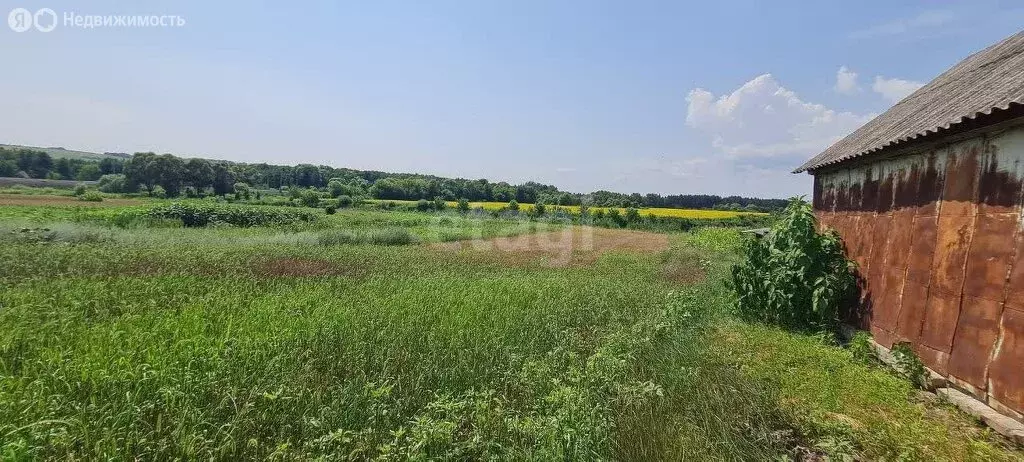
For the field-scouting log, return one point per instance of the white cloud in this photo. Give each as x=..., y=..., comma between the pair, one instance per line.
x=924, y=20
x=846, y=81
x=764, y=119
x=894, y=89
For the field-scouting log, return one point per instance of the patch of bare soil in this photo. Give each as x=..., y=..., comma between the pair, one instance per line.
x=572, y=246
x=44, y=200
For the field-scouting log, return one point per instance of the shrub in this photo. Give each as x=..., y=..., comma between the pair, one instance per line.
x=616, y=217
x=632, y=215
x=391, y=236
x=198, y=215
x=463, y=205
x=423, y=205
x=335, y=188
x=345, y=201
x=539, y=208
x=795, y=276
x=158, y=192
x=338, y=237
x=861, y=349
x=330, y=210
x=114, y=183
x=91, y=196
x=513, y=205
x=242, y=191
x=439, y=203
x=310, y=198
x=80, y=190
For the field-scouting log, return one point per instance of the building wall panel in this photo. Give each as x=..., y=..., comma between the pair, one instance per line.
x=936, y=235
x=1006, y=373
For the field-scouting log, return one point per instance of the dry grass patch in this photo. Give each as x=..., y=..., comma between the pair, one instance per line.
x=304, y=267
x=50, y=201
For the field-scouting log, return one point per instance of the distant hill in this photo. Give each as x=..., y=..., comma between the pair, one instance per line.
x=58, y=152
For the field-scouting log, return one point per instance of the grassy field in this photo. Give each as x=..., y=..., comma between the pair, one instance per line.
x=57, y=152
x=656, y=211
x=394, y=335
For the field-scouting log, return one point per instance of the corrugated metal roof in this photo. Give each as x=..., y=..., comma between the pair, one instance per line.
x=992, y=79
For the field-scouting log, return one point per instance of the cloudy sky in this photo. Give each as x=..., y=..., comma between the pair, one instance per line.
x=717, y=97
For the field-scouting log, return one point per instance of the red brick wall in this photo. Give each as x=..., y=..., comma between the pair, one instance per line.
x=937, y=238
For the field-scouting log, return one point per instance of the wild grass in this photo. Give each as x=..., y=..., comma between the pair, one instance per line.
x=159, y=341
x=386, y=236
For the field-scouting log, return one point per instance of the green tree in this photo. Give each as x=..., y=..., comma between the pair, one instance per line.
x=8, y=168
x=109, y=166
x=63, y=168
x=463, y=205
x=223, y=180
x=88, y=172
x=199, y=174
x=513, y=205
x=112, y=183
x=439, y=203
x=335, y=188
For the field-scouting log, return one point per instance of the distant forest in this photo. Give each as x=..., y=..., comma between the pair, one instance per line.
x=177, y=176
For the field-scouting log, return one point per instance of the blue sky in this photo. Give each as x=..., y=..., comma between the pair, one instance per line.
x=711, y=97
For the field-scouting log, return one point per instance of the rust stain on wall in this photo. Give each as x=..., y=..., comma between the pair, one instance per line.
x=1007, y=381
x=937, y=239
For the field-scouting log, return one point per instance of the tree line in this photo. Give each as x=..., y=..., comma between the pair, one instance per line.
x=176, y=176
x=28, y=163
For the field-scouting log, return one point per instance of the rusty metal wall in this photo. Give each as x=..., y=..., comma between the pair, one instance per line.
x=936, y=235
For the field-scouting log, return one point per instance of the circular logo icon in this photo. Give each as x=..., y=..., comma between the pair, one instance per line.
x=45, y=19
x=20, y=19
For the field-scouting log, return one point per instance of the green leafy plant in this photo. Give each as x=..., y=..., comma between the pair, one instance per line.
x=910, y=365
x=91, y=196
x=158, y=192
x=795, y=277
x=199, y=215
x=861, y=349
x=310, y=198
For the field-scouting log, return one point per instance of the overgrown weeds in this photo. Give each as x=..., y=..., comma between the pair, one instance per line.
x=795, y=277
x=387, y=236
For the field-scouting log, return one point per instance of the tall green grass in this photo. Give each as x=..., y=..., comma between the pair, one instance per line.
x=231, y=343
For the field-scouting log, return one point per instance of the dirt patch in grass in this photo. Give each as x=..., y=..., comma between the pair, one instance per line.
x=572, y=246
x=42, y=200
x=304, y=267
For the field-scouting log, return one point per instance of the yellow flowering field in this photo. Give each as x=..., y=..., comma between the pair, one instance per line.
x=656, y=211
